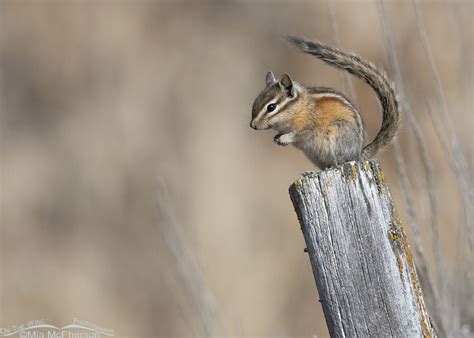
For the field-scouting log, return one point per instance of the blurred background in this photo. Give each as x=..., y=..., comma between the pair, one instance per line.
x=135, y=196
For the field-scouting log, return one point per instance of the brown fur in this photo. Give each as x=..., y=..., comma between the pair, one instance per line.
x=304, y=117
x=322, y=113
x=330, y=110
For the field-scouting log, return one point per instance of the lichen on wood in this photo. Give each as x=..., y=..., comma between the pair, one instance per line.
x=359, y=252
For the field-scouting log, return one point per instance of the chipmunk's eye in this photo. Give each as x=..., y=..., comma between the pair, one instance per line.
x=271, y=107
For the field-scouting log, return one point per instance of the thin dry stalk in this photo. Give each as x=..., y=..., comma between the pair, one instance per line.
x=199, y=294
x=347, y=81
x=459, y=166
x=406, y=187
x=456, y=153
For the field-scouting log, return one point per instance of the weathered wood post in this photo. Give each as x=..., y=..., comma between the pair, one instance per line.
x=361, y=260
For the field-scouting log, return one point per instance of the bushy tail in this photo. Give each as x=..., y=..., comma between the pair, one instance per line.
x=370, y=74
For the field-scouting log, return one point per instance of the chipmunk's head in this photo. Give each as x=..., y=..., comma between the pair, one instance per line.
x=275, y=104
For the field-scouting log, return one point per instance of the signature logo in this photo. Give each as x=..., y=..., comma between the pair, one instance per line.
x=41, y=329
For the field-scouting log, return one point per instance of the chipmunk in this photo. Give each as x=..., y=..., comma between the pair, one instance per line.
x=321, y=121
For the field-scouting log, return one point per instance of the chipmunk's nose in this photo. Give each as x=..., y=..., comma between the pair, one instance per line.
x=252, y=125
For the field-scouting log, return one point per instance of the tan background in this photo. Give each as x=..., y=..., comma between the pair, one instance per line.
x=135, y=196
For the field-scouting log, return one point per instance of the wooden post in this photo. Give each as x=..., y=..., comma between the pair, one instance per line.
x=361, y=260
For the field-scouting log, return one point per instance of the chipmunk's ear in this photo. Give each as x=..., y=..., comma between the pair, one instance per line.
x=270, y=78
x=287, y=84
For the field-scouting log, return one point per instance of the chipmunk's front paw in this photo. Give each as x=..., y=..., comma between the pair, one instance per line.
x=284, y=139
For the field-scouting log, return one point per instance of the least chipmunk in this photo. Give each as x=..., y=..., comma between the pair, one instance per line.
x=321, y=121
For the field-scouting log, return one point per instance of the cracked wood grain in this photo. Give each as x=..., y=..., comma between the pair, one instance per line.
x=361, y=260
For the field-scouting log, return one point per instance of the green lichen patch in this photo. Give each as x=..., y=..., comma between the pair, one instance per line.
x=366, y=166
x=353, y=172
x=379, y=177
x=297, y=184
x=394, y=235
x=350, y=171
